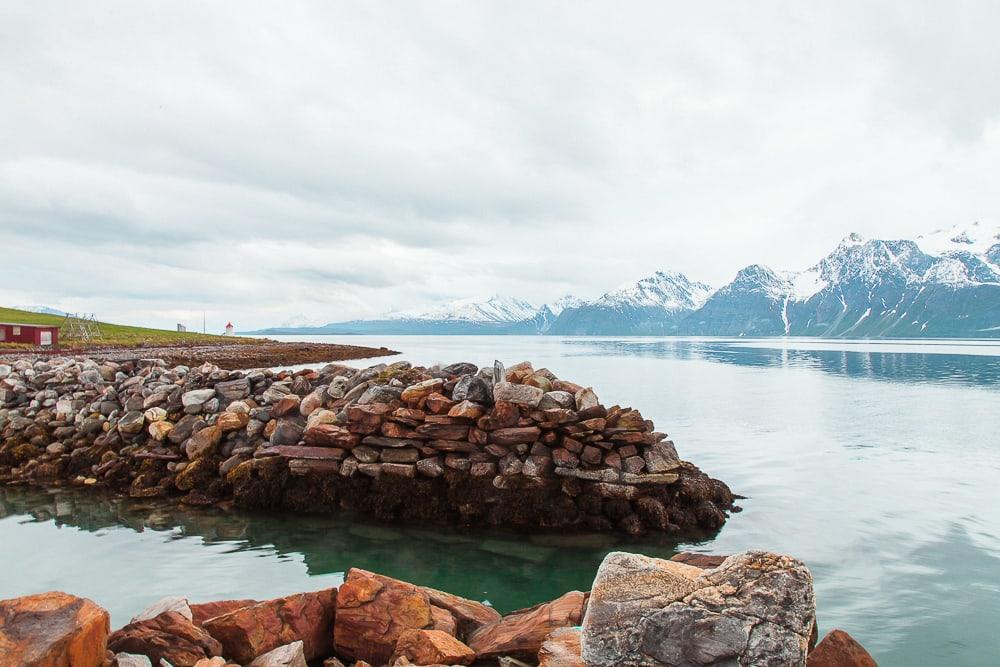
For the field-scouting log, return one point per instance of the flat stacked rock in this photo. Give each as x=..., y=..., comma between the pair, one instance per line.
x=494, y=446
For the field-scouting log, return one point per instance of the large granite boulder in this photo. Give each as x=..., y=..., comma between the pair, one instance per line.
x=249, y=632
x=756, y=608
x=373, y=611
x=53, y=630
x=521, y=633
x=839, y=649
x=170, y=636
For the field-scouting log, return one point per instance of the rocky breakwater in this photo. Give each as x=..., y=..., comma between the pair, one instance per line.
x=514, y=447
x=751, y=610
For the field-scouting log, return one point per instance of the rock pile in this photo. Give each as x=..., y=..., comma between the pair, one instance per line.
x=516, y=446
x=752, y=609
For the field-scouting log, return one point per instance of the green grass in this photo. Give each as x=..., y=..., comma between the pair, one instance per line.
x=116, y=334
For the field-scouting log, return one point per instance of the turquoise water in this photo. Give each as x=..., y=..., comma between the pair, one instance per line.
x=876, y=463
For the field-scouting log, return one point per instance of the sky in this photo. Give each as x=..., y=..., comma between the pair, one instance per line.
x=262, y=161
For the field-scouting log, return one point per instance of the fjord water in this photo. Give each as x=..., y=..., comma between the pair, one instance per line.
x=877, y=463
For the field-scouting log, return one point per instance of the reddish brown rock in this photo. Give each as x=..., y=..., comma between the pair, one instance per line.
x=408, y=416
x=443, y=620
x=438, y=404
x=232, y=421
x=366, y=419
x=522, y=633
x=515, y=436
x=203, y=611
x=169, y=636
x=373, y=611
x=251, y=631
x=561, y=649
x=285, y=406
x=503, y=415
x=469, y=615
x=443, y=431
x=53, y=630
x=467, y=410
x=839, y=649
x=432, y=647
x=204, y=442
x=330, y=435
x=417, y=392
x=704, y=561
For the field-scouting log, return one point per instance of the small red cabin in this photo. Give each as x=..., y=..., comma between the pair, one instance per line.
x=32, y=334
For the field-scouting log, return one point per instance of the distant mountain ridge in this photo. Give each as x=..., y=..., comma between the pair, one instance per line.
x=943, y=284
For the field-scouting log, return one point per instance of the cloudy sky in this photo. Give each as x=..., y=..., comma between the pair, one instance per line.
x=260, y=161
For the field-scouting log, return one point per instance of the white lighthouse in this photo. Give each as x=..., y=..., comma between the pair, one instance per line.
x=229, y=329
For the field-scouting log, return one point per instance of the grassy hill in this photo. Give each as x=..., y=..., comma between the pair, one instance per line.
x=116, y=334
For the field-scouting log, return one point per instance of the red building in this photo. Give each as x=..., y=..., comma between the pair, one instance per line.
x=32, y=334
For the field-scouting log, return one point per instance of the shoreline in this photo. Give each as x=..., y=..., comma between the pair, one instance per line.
x=242, y=355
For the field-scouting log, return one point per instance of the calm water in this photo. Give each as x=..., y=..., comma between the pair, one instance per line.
x=876, y=463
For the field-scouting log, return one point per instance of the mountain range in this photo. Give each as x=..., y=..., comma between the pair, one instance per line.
x=945, y=284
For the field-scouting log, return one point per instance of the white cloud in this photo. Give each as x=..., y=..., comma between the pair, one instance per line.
x=261, y=161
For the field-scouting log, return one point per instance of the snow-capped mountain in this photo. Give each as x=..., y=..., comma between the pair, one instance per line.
x=653, y=305
x=495, y=309
x=301, y=321
x=565, y=302
x=945, y=286
x=976, y=238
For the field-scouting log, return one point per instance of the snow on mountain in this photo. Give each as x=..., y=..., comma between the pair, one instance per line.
x=495, y=309
x=565, y=302
x=976, y=238
x=301, y=321
x=668, y=290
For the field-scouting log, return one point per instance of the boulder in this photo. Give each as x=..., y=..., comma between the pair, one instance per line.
x=469, y=615
x=203, y=611
x=557, y=400
x=521, y=394
x=196, y=397
x=561, y=649
x=586, y=399
x=133, y=660
x=839, y=649
x=373, y=611
x=432, y=647
x=420, y=390
x=472, y=388
x=252, y=631
x=756, y=608
x=169, y=636
x=171, y=603
x=204, y=442
x=233, y=390
x=232, y=421
x=521, y=633
x=289, y=655
x=53, y=630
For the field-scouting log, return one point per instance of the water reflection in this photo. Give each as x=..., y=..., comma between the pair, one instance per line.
x=510, y=571
x=893, y=366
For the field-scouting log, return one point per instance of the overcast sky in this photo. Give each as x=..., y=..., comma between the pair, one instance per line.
x=261, y=161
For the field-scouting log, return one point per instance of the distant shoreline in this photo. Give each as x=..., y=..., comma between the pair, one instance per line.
x=232, y=356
